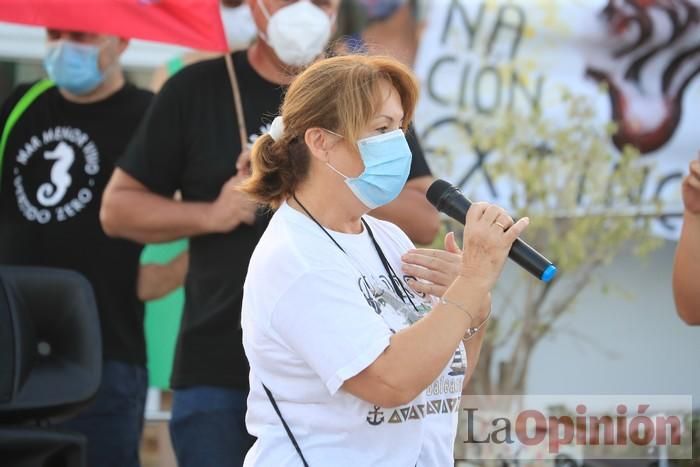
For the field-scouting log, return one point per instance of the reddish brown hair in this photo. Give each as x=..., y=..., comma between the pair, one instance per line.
x=341, y=94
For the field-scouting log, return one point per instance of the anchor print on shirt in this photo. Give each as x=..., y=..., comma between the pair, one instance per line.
x=445, y=393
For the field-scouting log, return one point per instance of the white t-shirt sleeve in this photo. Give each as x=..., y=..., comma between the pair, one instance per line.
x=325, y=319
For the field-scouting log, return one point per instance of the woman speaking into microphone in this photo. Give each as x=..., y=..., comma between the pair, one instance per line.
x=358, y=343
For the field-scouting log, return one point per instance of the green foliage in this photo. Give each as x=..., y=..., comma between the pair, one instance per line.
x=583, y=200
x=578, y=191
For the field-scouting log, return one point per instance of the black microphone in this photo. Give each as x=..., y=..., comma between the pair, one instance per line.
x=450, y=200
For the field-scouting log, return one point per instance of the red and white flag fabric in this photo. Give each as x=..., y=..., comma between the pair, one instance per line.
x=190, y=23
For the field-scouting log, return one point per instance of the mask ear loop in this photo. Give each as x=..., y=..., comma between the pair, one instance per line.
x=110, y=68
x=328, y=163
x=337, y=171
x=334, y=133
x=267, y=15
x=262, y=6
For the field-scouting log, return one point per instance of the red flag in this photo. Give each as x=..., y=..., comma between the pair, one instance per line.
x=191, y=23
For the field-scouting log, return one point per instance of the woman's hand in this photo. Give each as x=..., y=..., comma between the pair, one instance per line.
x=488, y=236
x=489, y=233
x=434, y=269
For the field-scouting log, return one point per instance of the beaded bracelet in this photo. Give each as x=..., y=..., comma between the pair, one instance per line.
x=471, y=331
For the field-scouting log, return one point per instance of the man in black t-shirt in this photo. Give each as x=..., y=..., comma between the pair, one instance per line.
x=58, y=158
x=189, y=141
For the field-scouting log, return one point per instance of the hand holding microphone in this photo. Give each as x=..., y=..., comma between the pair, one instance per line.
x=488, y=229
x=488, y=236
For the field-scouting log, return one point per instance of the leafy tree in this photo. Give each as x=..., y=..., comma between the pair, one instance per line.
x=584, y=201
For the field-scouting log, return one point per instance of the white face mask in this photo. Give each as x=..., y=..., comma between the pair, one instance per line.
x=239, y=26
x=297, y=33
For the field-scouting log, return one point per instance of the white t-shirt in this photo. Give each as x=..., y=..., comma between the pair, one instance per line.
x=310, y=322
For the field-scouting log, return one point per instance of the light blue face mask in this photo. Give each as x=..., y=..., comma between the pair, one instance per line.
x=74, y=67
x=387, y=160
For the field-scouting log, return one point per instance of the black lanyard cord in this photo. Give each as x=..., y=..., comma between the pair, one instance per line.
x=317, y=223
x=396, y=283
x=286, y=427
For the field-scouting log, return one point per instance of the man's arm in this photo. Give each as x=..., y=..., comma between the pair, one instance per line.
x=412, y=212
x=686, y=268
x=158, y=280
x=686, y=271
x=130, y=210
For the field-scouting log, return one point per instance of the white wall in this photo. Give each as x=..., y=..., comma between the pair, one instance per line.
x=631, y=345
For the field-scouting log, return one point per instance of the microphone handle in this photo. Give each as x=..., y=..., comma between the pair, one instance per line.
x=531, y=260
x=521, y=253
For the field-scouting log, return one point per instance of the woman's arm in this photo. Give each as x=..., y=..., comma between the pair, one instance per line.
x=473, y=346
x=436, y=269
x=417, y=355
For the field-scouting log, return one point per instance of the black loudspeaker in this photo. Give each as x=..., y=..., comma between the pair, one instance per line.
x=7, y=350
x=30, y=447
x=50, y=363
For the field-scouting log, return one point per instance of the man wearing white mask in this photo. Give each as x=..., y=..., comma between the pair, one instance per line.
x=195, y=140
x=60, y=140
x=240, y=31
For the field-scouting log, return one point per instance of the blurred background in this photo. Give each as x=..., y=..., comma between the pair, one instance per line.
x=559, y=74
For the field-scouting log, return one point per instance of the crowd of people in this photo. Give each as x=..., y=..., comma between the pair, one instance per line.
x=329, y=319
x=123, y=167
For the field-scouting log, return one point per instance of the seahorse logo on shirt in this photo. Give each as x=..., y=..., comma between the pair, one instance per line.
x=55, y=174
x=50, y=193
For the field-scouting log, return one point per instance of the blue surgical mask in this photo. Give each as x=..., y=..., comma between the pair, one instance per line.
x=74, y=67
x=387, y=160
